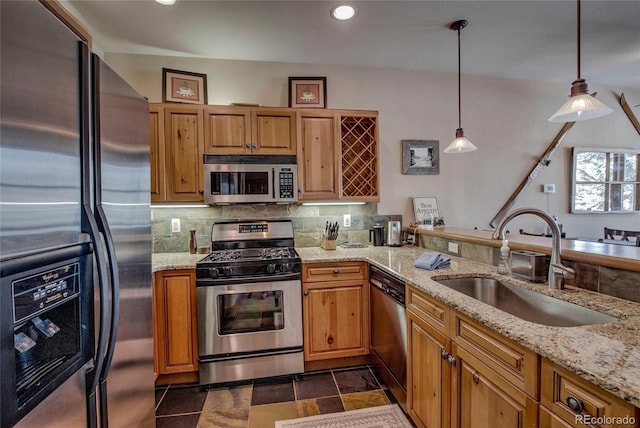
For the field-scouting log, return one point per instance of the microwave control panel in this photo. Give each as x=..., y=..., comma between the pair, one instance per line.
x=287, y=190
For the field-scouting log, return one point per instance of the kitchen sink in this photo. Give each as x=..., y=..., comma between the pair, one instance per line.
x=526, y=304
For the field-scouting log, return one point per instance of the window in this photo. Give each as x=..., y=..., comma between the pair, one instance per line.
x=605, y=180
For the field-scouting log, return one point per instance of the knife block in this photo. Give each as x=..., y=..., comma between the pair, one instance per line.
x=327, y=244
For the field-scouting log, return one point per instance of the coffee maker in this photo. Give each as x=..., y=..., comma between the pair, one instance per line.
x=376, y=235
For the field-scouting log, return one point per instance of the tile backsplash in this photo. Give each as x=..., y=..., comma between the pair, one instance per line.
x=308, y=222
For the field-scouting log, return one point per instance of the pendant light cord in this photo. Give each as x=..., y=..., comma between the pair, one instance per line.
x=459, y=86
x=578, y=38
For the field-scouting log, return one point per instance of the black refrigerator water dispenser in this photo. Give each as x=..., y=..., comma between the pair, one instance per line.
x=45, y=326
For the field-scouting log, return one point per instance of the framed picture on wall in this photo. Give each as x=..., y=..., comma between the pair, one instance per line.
x=420, y=157
x=308, y=92
x=184, y=87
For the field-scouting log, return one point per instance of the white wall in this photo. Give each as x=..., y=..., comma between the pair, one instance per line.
x=506, y=119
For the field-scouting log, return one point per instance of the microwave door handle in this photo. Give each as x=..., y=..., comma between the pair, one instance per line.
x=273, y=183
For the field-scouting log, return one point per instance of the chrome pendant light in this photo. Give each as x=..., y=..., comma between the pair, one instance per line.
x=460, y=144
x=580, y=105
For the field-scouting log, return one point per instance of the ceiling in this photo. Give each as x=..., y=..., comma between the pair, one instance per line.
x=512, y=39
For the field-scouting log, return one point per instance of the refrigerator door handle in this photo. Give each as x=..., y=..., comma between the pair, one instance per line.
x=115, y=312
x=92, y=375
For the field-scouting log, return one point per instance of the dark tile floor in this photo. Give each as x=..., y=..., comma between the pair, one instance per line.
x=260, y=403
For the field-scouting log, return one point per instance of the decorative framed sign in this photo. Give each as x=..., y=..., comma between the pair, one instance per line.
x=420, y=157
x=424, y=206
x=308, y=92
x=184, y=87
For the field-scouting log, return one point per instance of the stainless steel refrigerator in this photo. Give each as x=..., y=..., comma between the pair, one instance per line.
x=76, y=343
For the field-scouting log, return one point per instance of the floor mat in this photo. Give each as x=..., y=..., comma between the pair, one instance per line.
x=390, y=416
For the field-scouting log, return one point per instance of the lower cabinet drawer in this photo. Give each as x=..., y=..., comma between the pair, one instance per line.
x=516, y=363
x=581, y=403
x=323, y=272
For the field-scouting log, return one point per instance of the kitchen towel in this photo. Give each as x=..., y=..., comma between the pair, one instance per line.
x=432, y=261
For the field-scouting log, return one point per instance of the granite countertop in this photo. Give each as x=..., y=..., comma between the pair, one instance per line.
x=607, y=355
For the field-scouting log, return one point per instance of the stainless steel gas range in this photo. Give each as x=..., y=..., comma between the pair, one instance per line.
x=249, y=303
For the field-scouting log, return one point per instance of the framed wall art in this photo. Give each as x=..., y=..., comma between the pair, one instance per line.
x=420, y=157
x=308, y=92
x=184, y=87
x=424, y=206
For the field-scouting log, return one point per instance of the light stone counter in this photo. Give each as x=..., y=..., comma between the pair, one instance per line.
x=607, y=355
x=174, y=261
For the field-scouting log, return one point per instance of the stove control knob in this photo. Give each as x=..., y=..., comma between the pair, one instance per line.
x=213, y=272
x=271, y=268
x=227, y=271
x=284, y=267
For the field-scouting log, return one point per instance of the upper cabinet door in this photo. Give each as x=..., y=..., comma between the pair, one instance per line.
x=156, y=142
x=273, y=132
x=245, y=131
x=317, y=156
x=183, y=153
x=227, y=130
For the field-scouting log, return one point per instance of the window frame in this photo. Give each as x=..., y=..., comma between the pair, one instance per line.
x=608, y=180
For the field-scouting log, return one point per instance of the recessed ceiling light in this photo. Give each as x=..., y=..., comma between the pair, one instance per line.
x=167, y=2
x=343, y=12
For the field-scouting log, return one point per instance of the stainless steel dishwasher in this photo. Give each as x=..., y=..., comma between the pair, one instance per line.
x=389, y=332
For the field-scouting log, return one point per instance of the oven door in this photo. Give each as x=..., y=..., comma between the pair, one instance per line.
x=242, y=319
x=239, y=183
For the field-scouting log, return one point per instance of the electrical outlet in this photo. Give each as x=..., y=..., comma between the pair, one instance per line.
x=346, y=220
x=175, y=225
x=453, y=247
x=549, y=188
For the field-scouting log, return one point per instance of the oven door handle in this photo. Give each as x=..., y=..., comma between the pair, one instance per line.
x=209, y=282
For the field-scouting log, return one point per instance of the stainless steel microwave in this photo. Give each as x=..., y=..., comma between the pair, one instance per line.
x=250, y=179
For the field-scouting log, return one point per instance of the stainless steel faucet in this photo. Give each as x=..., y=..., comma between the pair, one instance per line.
x=557, y=271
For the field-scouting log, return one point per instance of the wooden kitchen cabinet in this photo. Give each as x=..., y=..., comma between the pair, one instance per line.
x=567, y=400
x=335, y=310
x=157, y=163
x=175, y=326
x=249, y=131
x=484, y=398
x=429, y=374
x=338, y=155
x=318, y=168
x=175, y=134
x=460, y=374
x=359, y=156
x=183, y=153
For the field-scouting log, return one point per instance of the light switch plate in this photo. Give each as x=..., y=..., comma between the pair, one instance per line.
x=346, y=220
x=175, y=225
x=453, y=247
x=549, y=188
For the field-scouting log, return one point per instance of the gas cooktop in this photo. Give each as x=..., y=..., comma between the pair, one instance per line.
x=251, y=251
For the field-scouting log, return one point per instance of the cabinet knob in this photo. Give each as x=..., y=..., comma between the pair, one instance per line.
x=248, y=146
x=443, y=354
x=306, y=292
x=254, y=146
x=451, y=360
x=476, y=378
x=330, y=340
x=575, y=404
x=336, y=270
